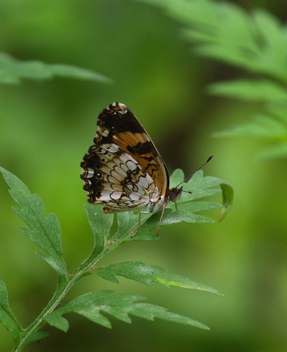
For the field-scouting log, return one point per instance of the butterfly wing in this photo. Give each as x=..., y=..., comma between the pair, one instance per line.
x=123, y=169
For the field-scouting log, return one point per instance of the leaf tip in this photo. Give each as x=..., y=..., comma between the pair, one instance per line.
x=227, y=196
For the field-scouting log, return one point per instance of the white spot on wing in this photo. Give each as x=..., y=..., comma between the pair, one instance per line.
x=124, y=109
x=105, y=133
x=116, y=195
x=90, y=173
x=134, y=196
x=130, y=186
x=120, y=171
x=143, y=182
x=141, y=191
x=113, y=148
x=131, y=165
x=112, y=180
x=124, y=167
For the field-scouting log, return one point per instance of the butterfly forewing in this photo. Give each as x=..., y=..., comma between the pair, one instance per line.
x=123, y=169
x=127, y=132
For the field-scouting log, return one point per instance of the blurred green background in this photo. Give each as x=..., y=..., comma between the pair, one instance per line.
x=47, y=127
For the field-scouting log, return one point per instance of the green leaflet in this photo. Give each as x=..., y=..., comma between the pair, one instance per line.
x=261, y=90
x=44, y=230
x=6, y=316
x=13, y=71
x=121, y=307
x=58, y=322
x=227, y=194
x=149, y=274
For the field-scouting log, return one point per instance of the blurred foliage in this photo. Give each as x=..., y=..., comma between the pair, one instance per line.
x=46, y=127
x=12, y=71
x=254, y=42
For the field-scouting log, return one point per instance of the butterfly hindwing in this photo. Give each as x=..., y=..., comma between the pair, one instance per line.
x=115, y=179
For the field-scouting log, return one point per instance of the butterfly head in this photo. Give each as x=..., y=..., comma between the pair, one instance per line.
x=175, y=193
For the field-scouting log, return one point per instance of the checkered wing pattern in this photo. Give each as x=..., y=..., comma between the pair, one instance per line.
x=123, y=169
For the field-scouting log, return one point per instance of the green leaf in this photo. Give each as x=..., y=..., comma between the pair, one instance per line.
x=58, y=322
x=227, y=195
x=197, y=11
x=100, y=224
x=128, y=224
x=151, y=311
x=272, y=37
x=149, y=274
x=45, y=230
x=150, y=222
x=83, y=301
x=6, y=316
x=179, y=216
x=273, y=152
x=279, y=112
x=196, y=206
x=12, y=71
x=92, y=304
x=176, y=178
x=251, y=90
x=225, y=32
x=35, y=336
x=271, y=127
x=170, y=217
x=225, y=54
x=262, y=126
x=200, y=187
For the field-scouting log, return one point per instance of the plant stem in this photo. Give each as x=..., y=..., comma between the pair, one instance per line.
x=63, y=286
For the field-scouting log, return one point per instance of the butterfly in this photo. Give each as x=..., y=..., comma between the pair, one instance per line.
x=123, y=170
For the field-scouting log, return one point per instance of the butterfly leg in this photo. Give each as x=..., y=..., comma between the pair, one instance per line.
x=139, y=224
x=160, y=221
x=175, y=206
x=161, y=217
x=109, y=210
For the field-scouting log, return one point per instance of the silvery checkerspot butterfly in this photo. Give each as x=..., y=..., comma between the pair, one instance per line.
x=123, y=170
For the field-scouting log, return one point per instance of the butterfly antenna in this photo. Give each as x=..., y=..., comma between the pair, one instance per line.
x=194, y=172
